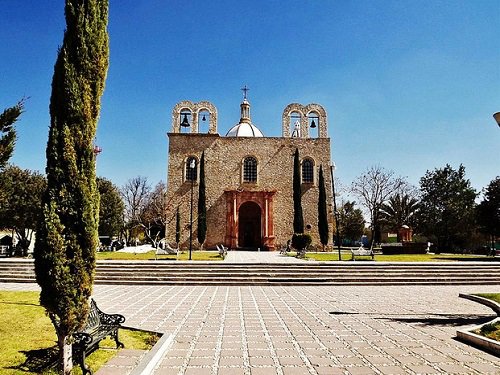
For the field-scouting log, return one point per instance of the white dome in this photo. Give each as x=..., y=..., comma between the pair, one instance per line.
x=244, y=129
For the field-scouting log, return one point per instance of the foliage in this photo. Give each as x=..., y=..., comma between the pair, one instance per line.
x=111, y=208
x=27, y=346
x=135, y=194
x=21, y=202
x=152, y=217
x=202, y=203
x=447, y=207
x=373, y=188
x=351, y=222
x=322, y=210
x=7, y=131
x=301, y=241
x=488, y=211
x=400, y=210
x=67, y=234
x=298, y=218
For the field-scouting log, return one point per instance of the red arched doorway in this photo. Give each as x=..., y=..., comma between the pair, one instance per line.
x=249, y=226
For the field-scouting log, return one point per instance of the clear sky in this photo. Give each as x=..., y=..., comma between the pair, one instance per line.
x=408, y=85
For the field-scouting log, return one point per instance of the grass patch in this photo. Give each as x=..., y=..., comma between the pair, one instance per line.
x=28, y=339
x=196, y=255
x=333, y=256
x=493, y=296
x=492, y=330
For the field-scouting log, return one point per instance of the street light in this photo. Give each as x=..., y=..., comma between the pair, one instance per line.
x=335, y=213
x=192, y=166
x=496, y=116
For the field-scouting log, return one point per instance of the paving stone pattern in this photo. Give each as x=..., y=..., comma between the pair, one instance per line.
x=306, y=329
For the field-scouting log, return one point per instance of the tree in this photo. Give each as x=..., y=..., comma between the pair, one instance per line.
x=351, y=222
x=202, y=203
x=298, y=218
x=21, y=205
x=67, y=236
x=488, y=211
x=446, y=212
x=135, y=194
x=7, y=131
x=111, y=208
x=373, y=188
x=322, y=210
x=400, y=210
x=152, y=216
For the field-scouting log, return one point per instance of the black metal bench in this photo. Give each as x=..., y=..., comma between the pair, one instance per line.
x=99, y=326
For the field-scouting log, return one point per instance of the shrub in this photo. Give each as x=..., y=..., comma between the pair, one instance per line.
x=301, y=241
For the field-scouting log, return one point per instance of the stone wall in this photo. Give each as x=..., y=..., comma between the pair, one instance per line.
x=223, y=171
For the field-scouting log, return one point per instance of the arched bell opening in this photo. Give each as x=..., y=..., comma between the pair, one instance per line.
x=313, y=124
x=294, y=124
x=204, y=121
x=185, y=120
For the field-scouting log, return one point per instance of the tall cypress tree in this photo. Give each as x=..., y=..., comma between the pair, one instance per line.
x=322, y=211
x=298, y=218
x=67, y=233
x=202, y=203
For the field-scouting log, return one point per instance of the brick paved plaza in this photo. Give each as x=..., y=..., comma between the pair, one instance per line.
x=305, y=329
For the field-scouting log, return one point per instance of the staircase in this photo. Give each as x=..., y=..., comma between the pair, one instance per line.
x=306, y=273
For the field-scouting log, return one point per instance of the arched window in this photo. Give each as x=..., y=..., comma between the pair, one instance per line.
x=307, y=171
x=191, y=168
x=250, y=169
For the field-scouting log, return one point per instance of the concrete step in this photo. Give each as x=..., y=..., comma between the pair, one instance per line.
x=307, y=273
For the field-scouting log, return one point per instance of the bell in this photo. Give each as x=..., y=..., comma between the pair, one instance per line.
x=203, y=118
x=313, y=124
x=185, y=122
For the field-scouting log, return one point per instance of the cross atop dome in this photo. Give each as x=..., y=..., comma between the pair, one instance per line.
x=245, y=91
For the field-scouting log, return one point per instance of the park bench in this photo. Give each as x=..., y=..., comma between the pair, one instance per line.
x=361, y=252
x=222, y=250
x=166, y=251
x=99, y=326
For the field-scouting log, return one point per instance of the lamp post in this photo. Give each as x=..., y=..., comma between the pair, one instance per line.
x=335, y=212
x=192, y=165
x=496, y=116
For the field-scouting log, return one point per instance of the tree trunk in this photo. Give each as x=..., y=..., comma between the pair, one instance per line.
x=65, y=355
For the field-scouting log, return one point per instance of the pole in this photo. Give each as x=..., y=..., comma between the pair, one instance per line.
x=192, y=165
x=335, y=213
x=191, y=222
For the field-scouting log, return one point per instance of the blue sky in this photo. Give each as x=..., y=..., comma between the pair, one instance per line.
x=408, y=85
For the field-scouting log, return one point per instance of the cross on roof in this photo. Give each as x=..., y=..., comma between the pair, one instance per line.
x=245, y=90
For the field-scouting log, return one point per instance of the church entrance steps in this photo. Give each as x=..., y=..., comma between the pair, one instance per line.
x=305, y=273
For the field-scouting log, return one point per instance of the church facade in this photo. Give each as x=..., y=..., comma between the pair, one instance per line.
x=248, y=176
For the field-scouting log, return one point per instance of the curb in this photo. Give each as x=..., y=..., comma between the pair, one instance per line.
x=481, y=342
x=153, y=357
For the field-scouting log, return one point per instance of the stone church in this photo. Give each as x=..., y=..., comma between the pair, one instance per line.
x=248, y=176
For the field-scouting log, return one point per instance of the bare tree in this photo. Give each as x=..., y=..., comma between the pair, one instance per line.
x=135, y=194
x=153, y=216
x=373, y=188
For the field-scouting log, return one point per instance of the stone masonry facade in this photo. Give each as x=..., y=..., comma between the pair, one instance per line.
x=226, y=190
